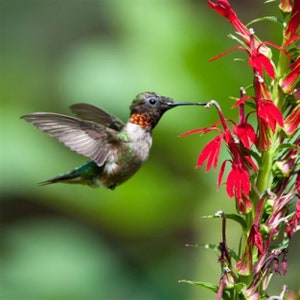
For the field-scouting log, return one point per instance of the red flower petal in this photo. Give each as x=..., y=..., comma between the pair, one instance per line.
x=285, y=6
x=241, y=101
x=269, y=114
x=198, y=130
x=210, y=153
x=260, y=62
x=238, y=182
x=255, y=238
x=288, y=83
x=226, y=52
x=223, y=8
x=291, y=123
x=294, y=21
x=203, y=131
x=221, y=173
x=246, y=134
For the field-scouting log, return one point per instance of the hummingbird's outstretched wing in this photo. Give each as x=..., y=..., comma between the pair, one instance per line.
x=85, y=137
x=97, y=115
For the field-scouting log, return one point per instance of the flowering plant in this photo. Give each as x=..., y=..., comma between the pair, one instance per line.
x=264, y=164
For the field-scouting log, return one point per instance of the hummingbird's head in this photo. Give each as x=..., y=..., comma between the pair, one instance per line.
x=150, y=101
x=148, y=107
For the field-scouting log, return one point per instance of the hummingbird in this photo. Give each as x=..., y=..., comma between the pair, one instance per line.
x=116, y=149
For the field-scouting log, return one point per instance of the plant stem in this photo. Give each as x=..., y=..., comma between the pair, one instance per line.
x=265, y=171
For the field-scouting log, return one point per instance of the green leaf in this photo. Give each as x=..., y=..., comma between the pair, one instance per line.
x=287, y=146
x=266, y=18
x=237, y=219
x=233, y=217
x=207, y=285
x=227, y=293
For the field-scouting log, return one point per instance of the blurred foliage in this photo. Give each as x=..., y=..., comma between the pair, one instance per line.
x=74, y=242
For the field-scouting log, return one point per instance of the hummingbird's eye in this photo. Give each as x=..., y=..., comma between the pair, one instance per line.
x=152, y=100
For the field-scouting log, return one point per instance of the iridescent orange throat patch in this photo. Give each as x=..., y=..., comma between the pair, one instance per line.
x=141, y=120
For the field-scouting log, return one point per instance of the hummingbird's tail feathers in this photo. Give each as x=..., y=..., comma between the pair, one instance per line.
x=65, y=178
x=87, y=174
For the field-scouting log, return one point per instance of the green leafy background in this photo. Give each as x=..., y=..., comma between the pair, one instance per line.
x=74, y=242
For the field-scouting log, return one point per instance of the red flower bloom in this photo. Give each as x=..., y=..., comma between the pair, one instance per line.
x=244, y=265
x=210, y=153
x=223, y=8
x=257, y=60
x=268, y=114
x=238, y=180
x=291, y=122
x=238, y=185
x=298, y=185
x=294, y=21
x=289, y=82
x=292, y=225
x=255, y=238
x=244, y=130
x=246, y=134
x=285, y=6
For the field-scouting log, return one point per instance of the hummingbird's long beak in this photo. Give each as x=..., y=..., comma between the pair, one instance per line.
x=173, y=104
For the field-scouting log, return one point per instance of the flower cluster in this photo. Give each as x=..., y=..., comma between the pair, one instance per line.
x=264, y=174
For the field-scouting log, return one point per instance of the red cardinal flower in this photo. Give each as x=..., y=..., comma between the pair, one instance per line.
x=238, y=180
x=244, y=131
x=257, y=60
x=269, y=116
x=298, y=188
x=294, y=22
x=238, y=185
x=246, y=134
x=255, y=239
x=292, y=225
x=285, y=6
x=291, y=122
x=289, y=82
x=223, y=8
x=210, y=153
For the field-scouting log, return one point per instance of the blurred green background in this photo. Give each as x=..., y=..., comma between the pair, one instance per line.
x=75, y=242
